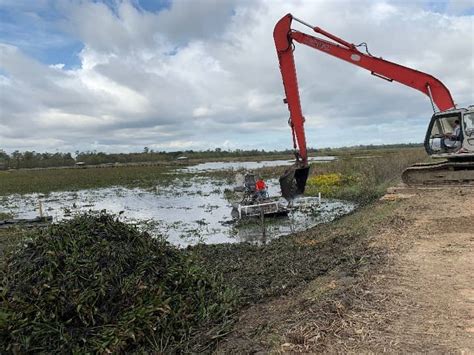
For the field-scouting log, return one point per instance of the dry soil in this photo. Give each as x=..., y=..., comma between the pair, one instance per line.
x=419, y=298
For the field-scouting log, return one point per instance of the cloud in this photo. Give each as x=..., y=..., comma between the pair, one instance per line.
x=204, y=74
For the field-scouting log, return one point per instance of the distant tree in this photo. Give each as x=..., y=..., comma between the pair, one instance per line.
x=4, y=156
x=16, y=155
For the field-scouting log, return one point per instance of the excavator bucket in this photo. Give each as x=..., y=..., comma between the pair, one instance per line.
x=293, y=182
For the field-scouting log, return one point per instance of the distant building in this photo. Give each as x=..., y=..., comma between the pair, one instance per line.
x=3, y=166
x=80, y=164
x=182, y=158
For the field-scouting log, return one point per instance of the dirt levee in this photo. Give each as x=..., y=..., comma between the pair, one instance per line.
x=418, y=298
x=431, y=281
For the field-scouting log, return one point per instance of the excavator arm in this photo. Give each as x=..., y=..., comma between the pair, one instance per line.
x=294, y=180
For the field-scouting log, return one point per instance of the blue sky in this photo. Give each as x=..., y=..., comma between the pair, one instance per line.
x=460, y=8
x=119, y=75
x=37, y=28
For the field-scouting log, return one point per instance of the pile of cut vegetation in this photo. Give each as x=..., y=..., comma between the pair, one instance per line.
x=95, y=284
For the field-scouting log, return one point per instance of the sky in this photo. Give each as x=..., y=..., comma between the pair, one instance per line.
x=119, y=75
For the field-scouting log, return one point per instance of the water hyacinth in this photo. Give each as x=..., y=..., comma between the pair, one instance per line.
x=95, y=284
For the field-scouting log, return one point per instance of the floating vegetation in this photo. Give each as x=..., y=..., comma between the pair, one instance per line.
x=231, y=195
x=5, y=215
x=179, y=212
x=95, y=284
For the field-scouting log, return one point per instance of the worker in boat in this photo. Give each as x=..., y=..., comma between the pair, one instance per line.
x=260, y=189
x=452, y=141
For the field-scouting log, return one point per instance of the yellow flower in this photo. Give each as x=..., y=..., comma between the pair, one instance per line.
x=326, y=180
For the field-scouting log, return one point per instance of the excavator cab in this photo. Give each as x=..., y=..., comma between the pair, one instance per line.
x=468, y=129
x=441, y=140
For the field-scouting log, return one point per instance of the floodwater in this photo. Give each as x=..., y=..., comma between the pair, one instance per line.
x=186, y=212
x=248, y=165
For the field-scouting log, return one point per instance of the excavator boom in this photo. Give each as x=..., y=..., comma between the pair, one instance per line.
x=294, y=180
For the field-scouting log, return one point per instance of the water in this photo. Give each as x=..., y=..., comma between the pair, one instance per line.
x=248, y=165
x=187, y=212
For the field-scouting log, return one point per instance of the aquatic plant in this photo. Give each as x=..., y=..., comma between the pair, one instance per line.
x=5, y=215
x=95, y=284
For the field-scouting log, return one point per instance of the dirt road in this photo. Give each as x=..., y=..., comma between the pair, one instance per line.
x=420, y=297
x=431, y=281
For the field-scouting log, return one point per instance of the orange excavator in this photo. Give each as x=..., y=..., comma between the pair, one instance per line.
x=450, y=133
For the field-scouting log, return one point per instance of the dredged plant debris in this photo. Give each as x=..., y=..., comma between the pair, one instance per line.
x=95, y=284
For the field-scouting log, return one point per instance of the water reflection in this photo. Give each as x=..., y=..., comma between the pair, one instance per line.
x=248, y=165
x=186, y=212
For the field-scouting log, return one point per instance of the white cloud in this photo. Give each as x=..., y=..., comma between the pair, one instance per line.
x=201, y=111
x=205, y=74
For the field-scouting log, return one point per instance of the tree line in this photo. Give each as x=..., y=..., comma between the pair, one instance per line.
x=28, y=159
x=32, y=159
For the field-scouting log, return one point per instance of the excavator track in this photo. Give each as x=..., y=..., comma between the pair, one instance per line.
x=446, y=173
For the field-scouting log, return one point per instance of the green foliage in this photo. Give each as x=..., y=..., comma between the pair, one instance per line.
x=365, y=173
x=94, y=284
x=328, y=184
x=148, y=155
x=362, y=178
x=28, y=159
x=46, y=180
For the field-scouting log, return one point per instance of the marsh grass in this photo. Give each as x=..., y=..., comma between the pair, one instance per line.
x=357, y=175
x=47, y=180
x=362, y=180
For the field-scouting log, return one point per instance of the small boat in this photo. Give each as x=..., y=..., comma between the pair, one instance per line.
x=257, y=203
x=265, y=208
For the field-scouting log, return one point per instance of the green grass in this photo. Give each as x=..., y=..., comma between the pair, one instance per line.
x=365, y=174
x=363, y=180
x=10, y=238
x=47, y=180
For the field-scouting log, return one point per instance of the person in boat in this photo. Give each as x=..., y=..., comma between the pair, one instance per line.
x=260, y=189
x=451, y=141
